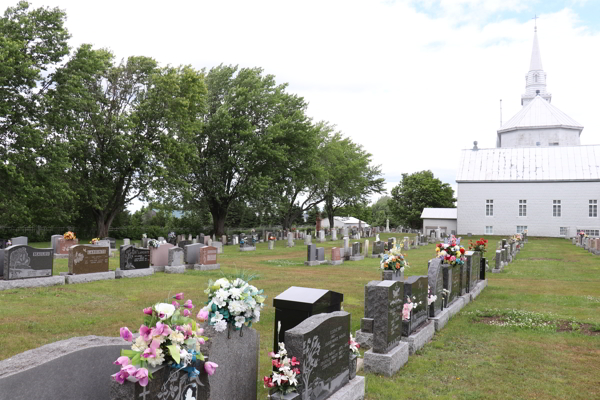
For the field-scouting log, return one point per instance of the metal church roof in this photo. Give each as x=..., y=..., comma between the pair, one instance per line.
x=525, y=164
x=539, y=114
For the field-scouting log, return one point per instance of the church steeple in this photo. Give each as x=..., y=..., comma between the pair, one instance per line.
x=535, y=80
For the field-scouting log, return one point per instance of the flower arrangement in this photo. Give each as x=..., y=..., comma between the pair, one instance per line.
x=232, y=302
x=94, y=240
x=8, y=243
x=171, y=235
x=293, y=229
x=284, y=378
x=144, y=236
x=153, y=243
x=167, y=336
x=430, y=296
x=353, y=346
x=410, y=306
x=451, y=253
x=271, y=237
x=393, y=261
x=480, y=245
x=69, y=235
x=582, y=234
x=445, y=293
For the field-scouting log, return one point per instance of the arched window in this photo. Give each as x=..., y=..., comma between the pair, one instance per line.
x=535, y=77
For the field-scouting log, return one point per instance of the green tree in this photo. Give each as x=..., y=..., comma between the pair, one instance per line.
x=380, y=212
x=418, y=191
x=120, y=121
x=251, y=131
x=32, y=41
x=351, y=178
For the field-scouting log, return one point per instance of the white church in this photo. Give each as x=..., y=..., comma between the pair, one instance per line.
x=538, y=178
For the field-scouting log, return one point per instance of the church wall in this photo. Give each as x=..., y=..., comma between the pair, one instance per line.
x=432, y=224
x=529, y=137
x=540, y=221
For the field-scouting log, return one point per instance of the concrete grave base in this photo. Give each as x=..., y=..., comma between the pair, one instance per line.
x=158, y=268
x=455, y=307
x=353, y=390
x=133, y=273
x=477, y=289
x=417, y=340
x=441, y=319
x=175, y=269
x=84, y=278
x=357, y=258
x=338, y=262
x=60, y=256
x=386, y=364
x=374, y=256
x=498, y=270
x=312, y=263
x=365, y=339
x=249, y=248
x=202, y=267
x=466, y=299
x=32, y=282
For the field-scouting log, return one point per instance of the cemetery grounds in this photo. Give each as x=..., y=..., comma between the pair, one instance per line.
x=533, y=333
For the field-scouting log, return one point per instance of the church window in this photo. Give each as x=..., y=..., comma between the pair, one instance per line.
x=593, y=208
x=489, y=230
x=592, y=232
x=556, y=208
x=537, y=143
x=554, y=144
x=522, y=208
x=563, y=231
x=535, y=77
x=521, y=228
x=489, y=208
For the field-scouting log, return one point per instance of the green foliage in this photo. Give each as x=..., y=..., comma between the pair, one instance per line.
x=418, y=191
x=380, y=212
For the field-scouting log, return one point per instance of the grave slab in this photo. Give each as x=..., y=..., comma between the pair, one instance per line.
x=353, y=390
x=32, y=282
x=134, y=273
x=441, y=319
x=466, y=299
x=248, y=248
x=175, y=269
x=91, y=277
x=386, y=364
x=207, y=267
x=420, y=337
x=498, y=270
x=357, y=258
x=158, y=268
x=455, y=306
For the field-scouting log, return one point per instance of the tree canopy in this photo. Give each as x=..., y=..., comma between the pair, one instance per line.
x=418, y=191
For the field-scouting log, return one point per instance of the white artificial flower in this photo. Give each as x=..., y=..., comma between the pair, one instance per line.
x=277, y=378
x=216, y=318
x=237, y=307
x=176, y=337
x=139, y=344
x=235, y=293
x=223, y=282
x=158, y=360
x=165, y=309
x=222, y=294
x=239, y=321
x=221, y=325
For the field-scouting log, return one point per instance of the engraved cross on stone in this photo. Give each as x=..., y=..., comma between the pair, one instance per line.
x=144, y=392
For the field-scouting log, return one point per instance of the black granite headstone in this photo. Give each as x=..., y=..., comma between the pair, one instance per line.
x=386, y=308
x=473, y=269
x=482, y=269
x=415, y=289
x=22, y=261
x=463, y=279
x=298, y=303
x=134, y=258
x=183, y=243
x=311, y=252
x=436, y=283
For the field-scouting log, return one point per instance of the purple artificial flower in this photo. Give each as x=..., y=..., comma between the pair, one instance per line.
x=121, y=376
x=178, y=296
x=186, y=313
x=202, y=314
x=123, y=360
x=161, y=329
x=150, y=352
x=175, y=304
x=148, y=310
x=126, y=334
x=210, y=367
x=142, y=376
x=188, y=304
x=145, y=332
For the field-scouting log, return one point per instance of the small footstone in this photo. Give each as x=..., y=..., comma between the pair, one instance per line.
x=32, y=282
x=365, y=339
x=357, y=258
x=158, y=268
x=84, y=278
x=201, y=267
x=389, y=363
x=312, y=263
x=175, y=269
x=133, y=273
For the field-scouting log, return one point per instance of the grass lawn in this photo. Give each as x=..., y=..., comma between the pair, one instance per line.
x=503, y=345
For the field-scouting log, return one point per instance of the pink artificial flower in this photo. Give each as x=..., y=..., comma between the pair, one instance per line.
x=200, y=331
x=122, y=361
x=201, y=341
x=130, y=369
x=148, y=310
x=121, y=376
x=188, y=304
x=145, y=333
x=210, y=367
x=272, y=355
x=175, y=304
x=161, y=329
x=178, y=296
x=142, y=376
x=150, y=352
x=186, y=313
x=453, y=258
x=126, y=334
x=202, y=315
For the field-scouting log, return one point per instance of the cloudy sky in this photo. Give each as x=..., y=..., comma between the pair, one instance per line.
x=414, y=82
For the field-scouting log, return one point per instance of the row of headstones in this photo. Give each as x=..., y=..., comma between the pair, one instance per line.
x=588, y=243
x=392, y=337
x=506, y=252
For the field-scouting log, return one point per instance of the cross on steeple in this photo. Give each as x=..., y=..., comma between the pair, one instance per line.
x=535, y=18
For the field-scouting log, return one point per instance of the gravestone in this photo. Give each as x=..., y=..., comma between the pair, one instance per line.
x=271, y=244
x=334, y=234
x=113, y=242
x=390, y=243
x=145, y=242
x=175, y=256
x=22, y=261
x=473, y=268
x=133, y=258
x=160, y=256
x=126, y=241
x=336, y=257
x=378, y=248
x=19, y=240
x=290, y=239
x=311, y=255
x=54, y=242
x=435, y=277
x=366, y=248
x=86, y=259
x=321, y=236
x=463, y=279
x=320, y=344
x=415, y=288
x=183, y=243
x=191, y=253
x=498, y=259
x=320, y=254
x=385, y=307
x=224, y=239
x=356, y=254
x=307, y=240
x=207, y=259
x=406, y=244
x=63, y=245
x=296, y=304
x=482, y=268
x=347, y=250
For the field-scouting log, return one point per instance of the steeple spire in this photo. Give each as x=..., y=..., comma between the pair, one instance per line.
x=535, y=80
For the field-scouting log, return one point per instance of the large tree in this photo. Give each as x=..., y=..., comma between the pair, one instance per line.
x=351, y=178
x=119, y=122
x=418, y=191
x=32, y=42
x=250, y=133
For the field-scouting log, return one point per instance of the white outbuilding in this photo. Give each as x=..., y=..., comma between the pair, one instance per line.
x=444, y=219
x=344, y=222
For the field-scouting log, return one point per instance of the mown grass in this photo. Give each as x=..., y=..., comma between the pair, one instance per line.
x=469, y=359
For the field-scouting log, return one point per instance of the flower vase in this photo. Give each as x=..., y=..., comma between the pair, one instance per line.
x=353, y=365
x=388, y=275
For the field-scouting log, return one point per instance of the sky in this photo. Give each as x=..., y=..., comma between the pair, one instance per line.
x=413, y=82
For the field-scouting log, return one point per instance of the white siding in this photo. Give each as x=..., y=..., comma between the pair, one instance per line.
x=574, y=198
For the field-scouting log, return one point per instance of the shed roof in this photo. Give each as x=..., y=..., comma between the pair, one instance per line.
x=439, y=213
x=525, y=164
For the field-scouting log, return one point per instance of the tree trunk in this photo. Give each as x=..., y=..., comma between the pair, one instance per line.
x=219, y=214
x=103, y=222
